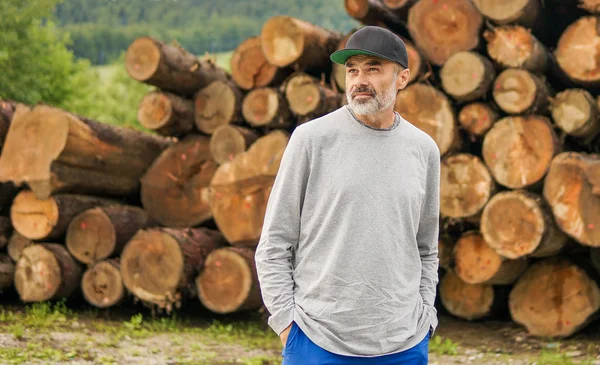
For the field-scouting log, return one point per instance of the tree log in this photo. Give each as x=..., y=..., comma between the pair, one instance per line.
x=6, y=230
x=470, y=301
x=554, y=298
x=7, y=110
x=513, y=46
x=522, y=12
x=49, y=219
x=250, y=69
x=16, y=244
x=375, y=12
x=174, y=188
x=593, y=6
x=576, y=50
x=466, y=186
x=467, y=76
x=102, y=284
x=99, y=233
x=445, y=248
x=518, y=91
x=8, y=191
x=227, y=141
x=166, y=113
x=478, y=263
x=441, y=28
x=239, y=190
x=575, y=207
x=288, y=41
x=158, y=265
x=46, y=272
x=64, y=153
x=435, y=115
x=266, y=107
x=477, y=119
x=400, y=7
x=170, y=68
x=519, y=149
x=519, y=223
x=228, y=282
x=309, y=99
x=219, y=103
x=575, y=112
x=7, y=272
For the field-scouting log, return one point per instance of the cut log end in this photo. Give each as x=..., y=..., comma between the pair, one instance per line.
x=466, y=186
x=467, y=301
x=217, y=104
x=249, y=67
x=282, y=40
x=576, y=50
x=517, y=91
x=226, y=283
x=575, y=112
x=102, y=285
x=91, y=236
x=518, y=150
x=515, y=47
x=477, y=118
x=357, y=9
x=152, y=266
x=32, y=217
x=593, y=6
x=467, y=76
x=554, y=298
x=155, y=110
x=440, y=28
x=266, y=107
x=228, y=141
x=431, y=111
x=303, y=94
x=142, y=59
x=16, y=244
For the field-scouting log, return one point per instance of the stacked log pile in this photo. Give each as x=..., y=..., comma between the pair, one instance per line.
x=176, y=214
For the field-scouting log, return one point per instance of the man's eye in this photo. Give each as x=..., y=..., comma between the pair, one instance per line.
x=374, y=69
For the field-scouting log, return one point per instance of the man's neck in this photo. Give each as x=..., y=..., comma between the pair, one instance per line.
x=383, y=119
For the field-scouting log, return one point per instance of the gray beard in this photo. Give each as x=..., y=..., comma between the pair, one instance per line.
x=373, y=105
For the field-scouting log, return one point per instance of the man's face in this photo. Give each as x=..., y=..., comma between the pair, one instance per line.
x=372, y=83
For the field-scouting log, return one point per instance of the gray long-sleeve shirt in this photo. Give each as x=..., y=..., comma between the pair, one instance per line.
x=349, y=242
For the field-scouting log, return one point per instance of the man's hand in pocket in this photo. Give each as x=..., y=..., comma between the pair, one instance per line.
x=284, y=334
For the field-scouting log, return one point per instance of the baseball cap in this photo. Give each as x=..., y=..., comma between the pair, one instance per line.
x=373, y=41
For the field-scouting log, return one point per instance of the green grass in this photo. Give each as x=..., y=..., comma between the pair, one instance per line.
x=439, y=346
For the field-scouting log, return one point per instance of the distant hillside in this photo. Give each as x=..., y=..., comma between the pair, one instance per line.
x=101, y=30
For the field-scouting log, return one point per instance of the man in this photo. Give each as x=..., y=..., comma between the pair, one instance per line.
x=347, y=260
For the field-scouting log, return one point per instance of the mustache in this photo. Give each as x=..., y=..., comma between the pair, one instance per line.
x=363, y=89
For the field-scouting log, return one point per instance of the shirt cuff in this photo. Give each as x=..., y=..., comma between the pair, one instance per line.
x=281, y=320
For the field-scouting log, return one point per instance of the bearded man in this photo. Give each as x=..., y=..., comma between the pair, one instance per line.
x=347, y=260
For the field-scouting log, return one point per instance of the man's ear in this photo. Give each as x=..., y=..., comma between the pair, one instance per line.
x=402, y=78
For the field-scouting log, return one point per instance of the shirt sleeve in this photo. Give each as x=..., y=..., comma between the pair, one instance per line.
x=427, y=235
x=280, y=234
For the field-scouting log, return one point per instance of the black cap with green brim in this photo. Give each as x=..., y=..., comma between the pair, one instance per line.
x=373, y=41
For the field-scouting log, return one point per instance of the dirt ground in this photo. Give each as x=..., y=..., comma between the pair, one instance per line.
x=95, y=338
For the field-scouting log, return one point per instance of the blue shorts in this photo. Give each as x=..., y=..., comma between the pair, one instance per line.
x=300, y=350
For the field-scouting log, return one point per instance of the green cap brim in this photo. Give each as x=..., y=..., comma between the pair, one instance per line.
x=343, y=54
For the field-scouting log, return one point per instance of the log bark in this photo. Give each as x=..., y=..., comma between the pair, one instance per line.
x=99, y=233
x=477, y=119
x=466, y=186
x=65, y=153
x=8, y=191
x=7, y=110
x=308, y=98
x=6, y=230
x=517, y=91
x=250, y=68
x=266, y=107
x=519, y=223
x=514, y=46
x=519, y=149
x=575, y=112
x=228, y=141
x=169, y=67
x=554, y=298
x=445, y=248
x=593, y=6
x=467, y=76
x=219, y=103
x=48, y=219
x=575, y=207
x=174, y=188
x=430, y=110
x=158, y=265
x=16, y=244
x=528, y=13
x=471, y=301
x=46, y=272
x=441, y=28
x=575, y=52
x=288, y=41
x=102, y=284
x=228, y=282
x=240, y=189
x=375, y=12
x=7, y=272
x=167, y=114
